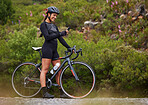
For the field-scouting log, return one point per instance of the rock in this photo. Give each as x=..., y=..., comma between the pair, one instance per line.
x=113, y=36
x=90, y=24
x=130, y=13
x=123, y=16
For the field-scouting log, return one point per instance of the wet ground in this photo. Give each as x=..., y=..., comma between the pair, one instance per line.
x=85, y=101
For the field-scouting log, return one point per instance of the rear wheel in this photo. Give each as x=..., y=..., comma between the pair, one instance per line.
x=81, y=88
x=26, y=80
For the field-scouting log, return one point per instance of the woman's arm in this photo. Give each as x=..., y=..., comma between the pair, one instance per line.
x=63, y=42
x=45, y=32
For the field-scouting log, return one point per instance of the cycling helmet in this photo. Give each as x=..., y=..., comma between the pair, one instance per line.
x=52, y=9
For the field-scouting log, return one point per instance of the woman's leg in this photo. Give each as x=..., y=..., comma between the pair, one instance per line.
x=45, y=67
x=58, y=75
x=62, y=94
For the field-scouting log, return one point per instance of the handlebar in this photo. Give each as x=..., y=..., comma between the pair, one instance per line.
x=73, y=50
x=80, y=50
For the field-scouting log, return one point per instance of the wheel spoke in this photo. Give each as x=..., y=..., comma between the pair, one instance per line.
x=81, y=88
x=24, y=85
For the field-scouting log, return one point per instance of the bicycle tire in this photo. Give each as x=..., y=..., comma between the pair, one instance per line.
x=77, y=89
x=23, y=84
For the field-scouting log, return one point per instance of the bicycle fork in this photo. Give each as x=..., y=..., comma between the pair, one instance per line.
x=72, y=70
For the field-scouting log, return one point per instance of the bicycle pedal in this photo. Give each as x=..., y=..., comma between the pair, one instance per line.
x=55, y=84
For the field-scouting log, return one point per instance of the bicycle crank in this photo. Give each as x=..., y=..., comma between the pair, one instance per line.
x=48, y=83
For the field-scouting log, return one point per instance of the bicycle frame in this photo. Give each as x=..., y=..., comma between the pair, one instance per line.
x=72, y=69
x=62, y=65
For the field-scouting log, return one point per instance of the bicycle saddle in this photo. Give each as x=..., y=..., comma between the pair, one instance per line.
x=37, y=48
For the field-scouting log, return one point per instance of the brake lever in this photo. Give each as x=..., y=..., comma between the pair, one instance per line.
x=74, y=48
x=81, y=53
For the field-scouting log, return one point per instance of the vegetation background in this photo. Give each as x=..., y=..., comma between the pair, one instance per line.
x=116, y=48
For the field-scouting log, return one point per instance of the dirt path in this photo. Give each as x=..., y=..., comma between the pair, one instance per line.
x=60, y=101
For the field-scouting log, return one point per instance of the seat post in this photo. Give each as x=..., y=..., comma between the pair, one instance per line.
x=40, y=55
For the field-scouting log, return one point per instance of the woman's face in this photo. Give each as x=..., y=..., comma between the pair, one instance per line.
x=53, y=16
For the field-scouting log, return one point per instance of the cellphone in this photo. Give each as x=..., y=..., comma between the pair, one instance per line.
x=68, y=28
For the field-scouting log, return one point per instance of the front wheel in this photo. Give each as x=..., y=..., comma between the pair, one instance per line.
x=26, y=80
x=81, y=88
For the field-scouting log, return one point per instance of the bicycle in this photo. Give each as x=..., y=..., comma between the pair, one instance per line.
x=77, y=79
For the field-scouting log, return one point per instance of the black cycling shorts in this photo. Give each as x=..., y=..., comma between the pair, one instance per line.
x=50, y=53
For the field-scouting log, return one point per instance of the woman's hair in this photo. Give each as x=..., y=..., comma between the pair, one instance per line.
x=44, y=20
x=45, y=17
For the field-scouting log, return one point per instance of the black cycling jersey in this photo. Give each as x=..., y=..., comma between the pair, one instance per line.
x=51, y=34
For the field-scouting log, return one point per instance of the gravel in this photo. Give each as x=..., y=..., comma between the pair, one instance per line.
x=62, y=101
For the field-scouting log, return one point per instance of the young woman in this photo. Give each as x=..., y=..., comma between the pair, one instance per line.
x=49, y=48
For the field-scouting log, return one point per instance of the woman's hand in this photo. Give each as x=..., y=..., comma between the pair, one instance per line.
x=64, y=33
x=67, y=31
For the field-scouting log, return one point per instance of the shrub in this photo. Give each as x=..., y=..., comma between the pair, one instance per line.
x=129, y=68
x=19, y=46
x=115, y=64
x=6, y=11
x=22, y=2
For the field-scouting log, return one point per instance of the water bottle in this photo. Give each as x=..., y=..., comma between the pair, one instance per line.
x=55, y=68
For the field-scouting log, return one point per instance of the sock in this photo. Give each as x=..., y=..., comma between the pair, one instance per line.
x=44, y=89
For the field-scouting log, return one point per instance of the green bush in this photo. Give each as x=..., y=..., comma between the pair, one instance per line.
x=130, y=68
x=19, y=47
x=6, y=11
x=22, y=2
x=115, y=64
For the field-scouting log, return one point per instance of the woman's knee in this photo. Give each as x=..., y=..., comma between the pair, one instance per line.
x=45, y=70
